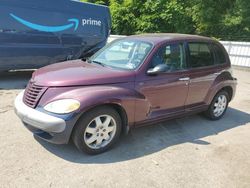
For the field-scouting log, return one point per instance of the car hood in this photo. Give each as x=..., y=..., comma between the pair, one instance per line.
x=79, y=73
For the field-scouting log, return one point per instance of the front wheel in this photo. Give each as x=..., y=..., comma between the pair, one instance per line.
x=218, y=106
x=97, y=130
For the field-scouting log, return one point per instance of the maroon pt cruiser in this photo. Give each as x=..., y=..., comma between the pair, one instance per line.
x=133, y=81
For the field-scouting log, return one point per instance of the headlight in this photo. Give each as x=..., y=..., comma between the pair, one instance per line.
x=63, y=106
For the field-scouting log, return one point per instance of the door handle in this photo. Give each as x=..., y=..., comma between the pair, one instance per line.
x=184, y=79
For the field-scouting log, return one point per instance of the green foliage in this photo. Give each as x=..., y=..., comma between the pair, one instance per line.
x=224, y=19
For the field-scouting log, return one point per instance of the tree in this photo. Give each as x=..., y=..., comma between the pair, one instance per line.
x=224, y=19
x=140, y=16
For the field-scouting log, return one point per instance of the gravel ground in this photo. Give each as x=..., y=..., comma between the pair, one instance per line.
x=187, y=152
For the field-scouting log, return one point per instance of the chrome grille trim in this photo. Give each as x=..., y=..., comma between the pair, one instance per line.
x=32, y=94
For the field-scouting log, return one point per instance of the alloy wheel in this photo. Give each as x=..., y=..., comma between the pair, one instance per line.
x=220, y=105
x=100, y=131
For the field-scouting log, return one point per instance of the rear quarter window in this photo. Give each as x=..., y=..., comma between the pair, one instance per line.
x=200, y=55
x=219, y=53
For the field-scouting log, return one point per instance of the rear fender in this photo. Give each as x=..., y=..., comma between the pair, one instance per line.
x=223, y=80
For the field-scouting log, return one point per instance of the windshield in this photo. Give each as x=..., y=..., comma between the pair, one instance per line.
x=124, y=54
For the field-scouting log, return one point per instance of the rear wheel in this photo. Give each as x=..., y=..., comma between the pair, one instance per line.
x=98, y=130
x=218, y=106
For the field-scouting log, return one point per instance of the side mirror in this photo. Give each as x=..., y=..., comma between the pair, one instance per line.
x=161, y=68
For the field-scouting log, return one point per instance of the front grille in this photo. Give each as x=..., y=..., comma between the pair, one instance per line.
x=32, y=94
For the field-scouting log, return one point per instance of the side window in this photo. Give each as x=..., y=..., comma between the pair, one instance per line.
x=219, y=53
x=172, y=55
x=200, y=55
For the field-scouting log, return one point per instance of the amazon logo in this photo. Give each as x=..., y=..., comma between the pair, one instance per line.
x=73, y=23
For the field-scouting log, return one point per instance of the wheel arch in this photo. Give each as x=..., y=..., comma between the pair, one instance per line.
x=119, y=108
x=123, y=114
x=229, y=89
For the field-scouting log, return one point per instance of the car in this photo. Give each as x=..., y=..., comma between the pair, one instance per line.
x=134, y=81
x=36, y=33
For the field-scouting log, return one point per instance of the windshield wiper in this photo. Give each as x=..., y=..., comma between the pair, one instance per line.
x=99, y=63
x=96, y=62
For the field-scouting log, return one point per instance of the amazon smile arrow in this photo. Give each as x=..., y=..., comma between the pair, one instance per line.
x=74, y=24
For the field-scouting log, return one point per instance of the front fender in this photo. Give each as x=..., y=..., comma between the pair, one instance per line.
x=92, y=96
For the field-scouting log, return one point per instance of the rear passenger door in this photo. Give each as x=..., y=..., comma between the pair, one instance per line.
x=202, y=73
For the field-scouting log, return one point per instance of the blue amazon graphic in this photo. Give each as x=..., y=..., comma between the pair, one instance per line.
x=74, y=24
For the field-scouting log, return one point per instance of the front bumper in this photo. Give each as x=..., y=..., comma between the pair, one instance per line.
x=36, y=118
x=48, y=127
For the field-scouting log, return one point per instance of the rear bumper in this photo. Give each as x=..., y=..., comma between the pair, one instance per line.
x=46, y=126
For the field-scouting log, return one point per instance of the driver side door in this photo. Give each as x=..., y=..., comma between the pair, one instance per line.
x=165, y=93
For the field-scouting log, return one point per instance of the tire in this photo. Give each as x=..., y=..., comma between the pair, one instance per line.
x=221, y=106
x=97, y=130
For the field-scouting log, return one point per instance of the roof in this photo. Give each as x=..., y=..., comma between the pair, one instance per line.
x=159, y=37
